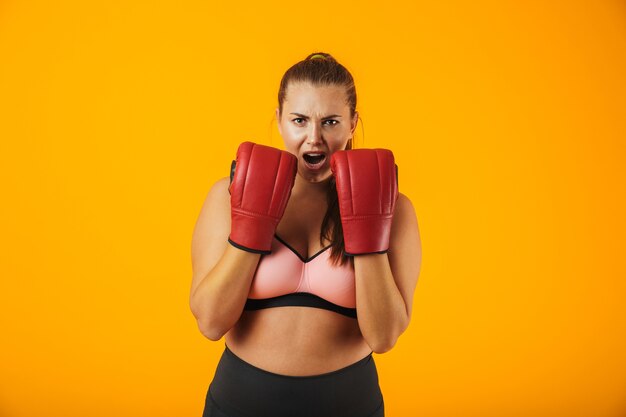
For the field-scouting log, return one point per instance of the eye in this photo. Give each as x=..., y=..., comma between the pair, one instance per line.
x=334, y=122
x=298, y=120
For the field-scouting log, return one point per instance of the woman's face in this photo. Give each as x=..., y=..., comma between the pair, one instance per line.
x=314, y=124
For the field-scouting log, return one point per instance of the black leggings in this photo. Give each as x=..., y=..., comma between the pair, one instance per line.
x=240, y=389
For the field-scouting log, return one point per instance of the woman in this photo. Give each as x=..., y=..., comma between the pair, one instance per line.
x=291, y=246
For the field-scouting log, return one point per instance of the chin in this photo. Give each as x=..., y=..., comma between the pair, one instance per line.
x=315, y=177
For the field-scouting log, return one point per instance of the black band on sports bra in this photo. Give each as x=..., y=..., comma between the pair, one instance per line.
x=304, y=299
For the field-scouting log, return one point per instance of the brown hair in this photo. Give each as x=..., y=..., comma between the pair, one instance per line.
x=320, y=68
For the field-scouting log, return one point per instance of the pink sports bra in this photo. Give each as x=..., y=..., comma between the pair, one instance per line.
x=285, y=278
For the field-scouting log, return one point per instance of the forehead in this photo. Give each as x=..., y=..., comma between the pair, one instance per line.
x=307, y=98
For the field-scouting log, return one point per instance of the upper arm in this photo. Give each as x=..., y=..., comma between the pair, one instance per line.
x=405, y=250
x=210, y=234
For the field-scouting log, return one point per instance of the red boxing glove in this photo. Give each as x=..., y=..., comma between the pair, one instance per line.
x=367, y=188
x=259, y=190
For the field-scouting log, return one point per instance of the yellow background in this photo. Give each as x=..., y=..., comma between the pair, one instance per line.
x=508, y=122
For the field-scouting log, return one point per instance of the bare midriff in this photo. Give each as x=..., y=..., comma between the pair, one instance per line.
x=297, y=340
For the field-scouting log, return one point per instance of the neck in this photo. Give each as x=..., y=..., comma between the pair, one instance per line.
x=311, y=189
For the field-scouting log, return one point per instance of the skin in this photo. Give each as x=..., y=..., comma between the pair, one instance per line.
x=277, y=339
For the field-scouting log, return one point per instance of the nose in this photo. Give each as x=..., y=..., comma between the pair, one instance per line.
x=314, y=136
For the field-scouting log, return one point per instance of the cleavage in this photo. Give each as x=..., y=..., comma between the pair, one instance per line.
x=295, y=243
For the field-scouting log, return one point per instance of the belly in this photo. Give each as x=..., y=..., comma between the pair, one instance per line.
x=297, y=341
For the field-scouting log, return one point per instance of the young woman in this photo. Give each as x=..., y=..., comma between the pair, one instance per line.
x=289, y=248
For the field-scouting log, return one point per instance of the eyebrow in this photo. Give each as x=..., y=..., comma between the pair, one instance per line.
x=325, y=117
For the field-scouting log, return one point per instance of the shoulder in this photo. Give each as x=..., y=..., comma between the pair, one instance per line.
x=404, y=201
x=218, y=195
x=212, y=227
x=217, y=201
x=220, y=187
x=404, y=229
x=404, y=206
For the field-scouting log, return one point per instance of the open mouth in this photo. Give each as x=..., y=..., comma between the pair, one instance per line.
x=314, y=158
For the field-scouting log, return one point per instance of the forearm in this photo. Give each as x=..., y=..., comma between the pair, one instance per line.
x=382, y=313
x=219, y=299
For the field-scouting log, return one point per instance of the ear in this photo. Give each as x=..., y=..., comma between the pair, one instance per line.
x=353, y=122
x=280, y=130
